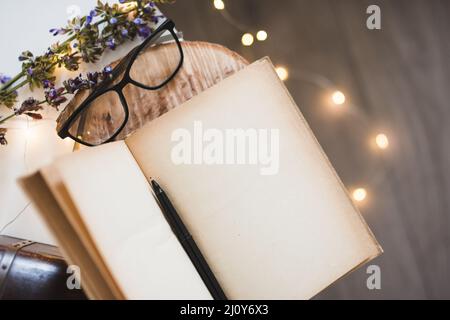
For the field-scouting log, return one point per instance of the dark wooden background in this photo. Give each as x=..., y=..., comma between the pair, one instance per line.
x=397, y=80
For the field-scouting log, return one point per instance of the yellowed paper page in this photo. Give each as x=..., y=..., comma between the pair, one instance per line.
x=120, y=215
x=94, y=282
x=79, y=233
x=270, y=230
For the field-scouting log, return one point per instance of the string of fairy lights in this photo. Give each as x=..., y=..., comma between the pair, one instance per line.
x=337, y=97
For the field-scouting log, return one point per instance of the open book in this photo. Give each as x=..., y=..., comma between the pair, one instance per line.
x=247, y=177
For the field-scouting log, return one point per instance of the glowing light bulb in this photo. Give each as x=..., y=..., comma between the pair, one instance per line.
x=282, y=72
x=359, y=194
x=261, y=35
x=219, y=4
x=338, y=98
x=247, y=39
x=382, y=141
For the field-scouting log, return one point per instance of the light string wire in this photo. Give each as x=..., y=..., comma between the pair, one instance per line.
x=25, y=148
x=17, y=216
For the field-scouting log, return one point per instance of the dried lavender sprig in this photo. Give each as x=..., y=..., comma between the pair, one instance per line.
x=145, y=14
x=113, y=15
x=56, y=96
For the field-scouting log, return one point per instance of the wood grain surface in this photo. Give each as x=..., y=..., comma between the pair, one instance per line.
x=205, y=64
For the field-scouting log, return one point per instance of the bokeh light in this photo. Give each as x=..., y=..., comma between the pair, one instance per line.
x=247, y=39
x=261, y=35
x=359, y=194
x=219, y=4
x=282, y=72
x=338, y=97
x=382, y=141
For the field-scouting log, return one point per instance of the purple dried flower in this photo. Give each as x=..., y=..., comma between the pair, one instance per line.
x=30, y=71
x=49, y=52
x=30, y=104
x=3, y=140
x=26, y=55
x=56, y=31
x=78, y=83
x=55, y=97
x=52, y=93
x=108, y=69
x=149, y=7
x=111, y=43
x=124, y=32
x=155, y=19
x=138, y=21
x=47, y=84
x=71, y=85
x=144, y=31
x=113, y=20
x=4, y=78
x=92, y=78
x=90, y=17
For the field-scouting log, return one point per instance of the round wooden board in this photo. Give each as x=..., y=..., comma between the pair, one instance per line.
x=205, y=64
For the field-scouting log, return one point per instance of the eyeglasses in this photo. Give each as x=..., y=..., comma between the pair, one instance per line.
x=104, y=112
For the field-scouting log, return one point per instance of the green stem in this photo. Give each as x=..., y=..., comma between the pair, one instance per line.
x=3, y=120
x=18, y=86
x=10, y=82
x=7, y=118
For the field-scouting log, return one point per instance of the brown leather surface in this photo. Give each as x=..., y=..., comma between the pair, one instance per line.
x=38, y=271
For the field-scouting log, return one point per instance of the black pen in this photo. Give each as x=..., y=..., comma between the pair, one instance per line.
x=187, y=242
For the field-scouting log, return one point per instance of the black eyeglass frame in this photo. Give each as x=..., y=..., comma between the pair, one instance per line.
x=103, y=87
